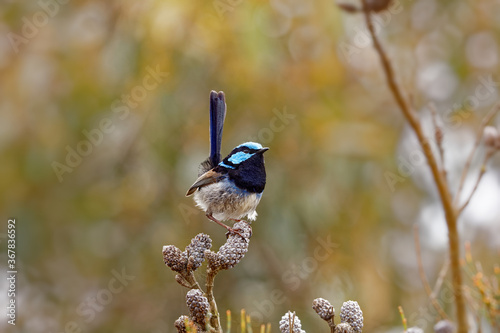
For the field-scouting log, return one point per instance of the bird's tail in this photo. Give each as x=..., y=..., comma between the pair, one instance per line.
x=217, y=116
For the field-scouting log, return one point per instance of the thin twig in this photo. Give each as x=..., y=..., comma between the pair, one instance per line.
x=423, y=277
x=440, y=279
x=192, y=279
x=479, y=136
x=438, y=135
x=442, y=186
x=478, y=180
x=214, y=319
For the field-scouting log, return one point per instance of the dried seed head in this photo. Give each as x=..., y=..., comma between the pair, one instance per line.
x=343, y=328
x=491, y=137
x=180, y=324
x=195, y=251
x=233, y=250
x=323, y=308
x=285, y=323
x=174, y=258
x=414, y=329
x=444, y=326
x=198, y=306
x=351, y=313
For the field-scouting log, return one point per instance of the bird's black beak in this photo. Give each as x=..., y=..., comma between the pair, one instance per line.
x=263, y=150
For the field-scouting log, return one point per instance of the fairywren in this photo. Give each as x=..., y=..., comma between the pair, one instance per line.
x=231, y=188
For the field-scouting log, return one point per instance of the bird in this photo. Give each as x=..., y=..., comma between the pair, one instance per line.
x=231, y=188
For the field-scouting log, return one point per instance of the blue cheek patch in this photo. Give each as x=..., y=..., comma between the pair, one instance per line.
x=251, y=145
x=226, y=166
x=239, y=157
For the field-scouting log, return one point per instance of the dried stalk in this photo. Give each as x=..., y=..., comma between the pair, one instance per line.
x=423, y=277
x=468, y=163
x=214, y=319
x=479, y=177
x=442, y=186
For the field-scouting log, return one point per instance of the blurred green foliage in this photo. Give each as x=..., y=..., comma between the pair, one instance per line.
x=333, y=130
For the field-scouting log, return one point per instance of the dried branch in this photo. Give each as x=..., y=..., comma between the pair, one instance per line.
x=442, y=186
x=423, y=277
x=215, y=318
x=479, y=136
x=440, y=279
x=438, y=135
x=489, y=154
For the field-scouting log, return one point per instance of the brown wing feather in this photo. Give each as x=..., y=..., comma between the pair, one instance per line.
x=205, y=179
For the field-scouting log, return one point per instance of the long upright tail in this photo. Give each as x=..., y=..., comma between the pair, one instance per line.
x=217, y=116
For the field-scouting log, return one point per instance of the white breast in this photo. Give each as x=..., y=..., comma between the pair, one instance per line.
x=227, y=202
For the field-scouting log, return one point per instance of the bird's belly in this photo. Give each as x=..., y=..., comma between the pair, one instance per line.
x=225, y=201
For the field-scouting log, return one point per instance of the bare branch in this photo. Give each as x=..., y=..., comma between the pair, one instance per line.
x=423, y=277
x=479, y=136
x=439, y=179
x=438, y=135
x=440, y=279
x=478, y=180
x=214, y=319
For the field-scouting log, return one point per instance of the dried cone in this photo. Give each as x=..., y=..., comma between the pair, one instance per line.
x=174, y=258
x=323, y=308
x=343, y=328
x=198, y=306
x=351, y=313
x=233, y=250
x=285, y=323
x=444, y=326
x=491, y=137
x=195, y=251
x=180, y=324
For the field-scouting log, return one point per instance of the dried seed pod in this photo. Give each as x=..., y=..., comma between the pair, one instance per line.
x=174, y=258
x=233, y=250
x=323, y=308
x=195, y=251
x=343, y=328
x=444, y=326
x=180, y=324
x=491, y=137
x=351, y=313
x=285, y=323
x=198, y=306
x=414, y=329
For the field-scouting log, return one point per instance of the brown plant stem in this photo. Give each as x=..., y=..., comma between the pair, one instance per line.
x=479, y=177
x=440, y=278
x=192, y=279
x=468, y=163
x=423, y=277
x=438, y=134
x=442, y=186
x=214, y=319
x=331, y=324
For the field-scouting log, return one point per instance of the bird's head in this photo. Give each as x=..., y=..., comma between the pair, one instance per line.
x=244, y=154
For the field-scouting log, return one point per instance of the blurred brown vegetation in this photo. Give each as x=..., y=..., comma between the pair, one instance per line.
x=333, y=129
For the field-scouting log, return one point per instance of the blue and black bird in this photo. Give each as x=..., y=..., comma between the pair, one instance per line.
x=231, y=188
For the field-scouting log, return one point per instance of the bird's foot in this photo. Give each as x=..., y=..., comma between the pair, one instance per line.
x=237, y=220
x=232, y=231
x=228, y=228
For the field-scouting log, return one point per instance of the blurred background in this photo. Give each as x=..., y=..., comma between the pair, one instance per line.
x=104, y=121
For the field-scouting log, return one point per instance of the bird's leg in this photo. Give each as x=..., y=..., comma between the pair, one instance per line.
x=229, y=229
x=237, y=220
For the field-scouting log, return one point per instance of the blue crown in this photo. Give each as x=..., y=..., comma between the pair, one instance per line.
x=251, y=145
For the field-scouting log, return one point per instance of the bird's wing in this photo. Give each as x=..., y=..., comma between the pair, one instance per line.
x=205, y=179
